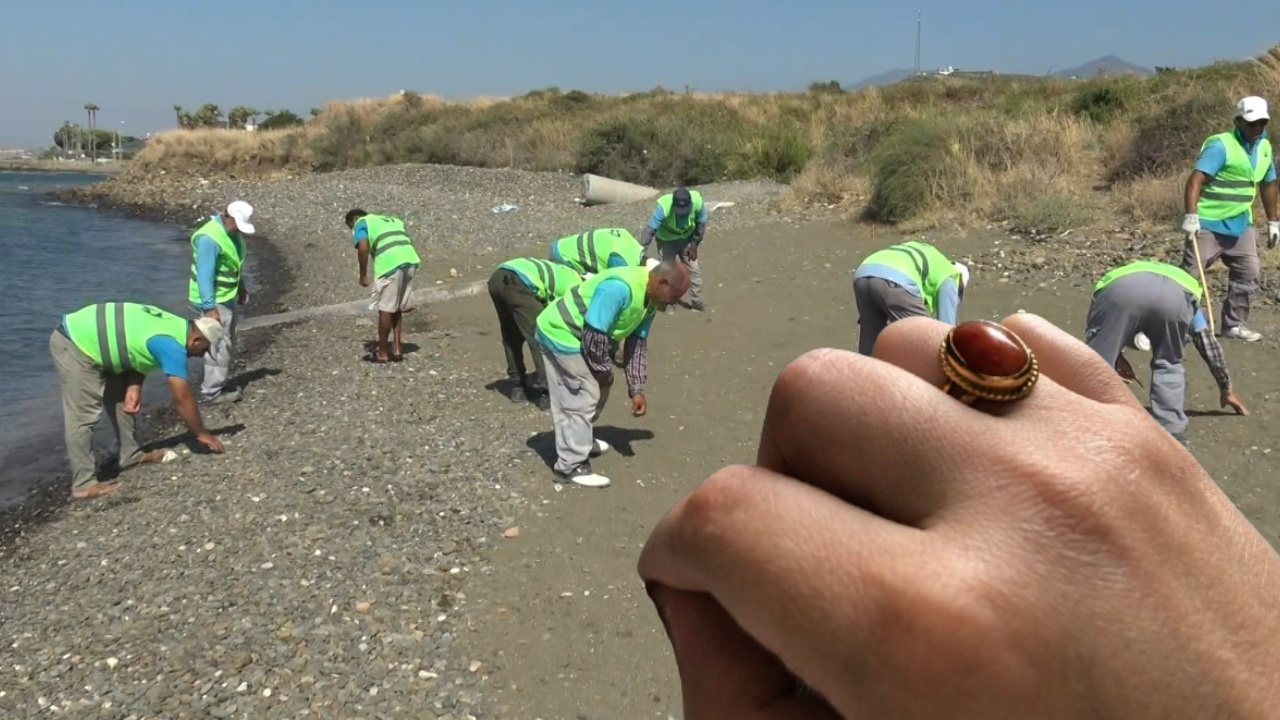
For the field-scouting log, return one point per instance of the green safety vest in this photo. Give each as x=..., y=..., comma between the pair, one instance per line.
x=564, y=319
x=114, y=335
x=669, y=230
x=1173, y=272
x=389, y=244
x=1232, y=190
x=923, y=263
x=550, y=280
x=589, y=252
x=226, y=274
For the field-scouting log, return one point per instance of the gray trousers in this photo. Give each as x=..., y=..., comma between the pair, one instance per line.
x=676, y=249
x=86, y=392
x=1240, y=255
x=577, y=400
x=518, y=307
x=1162, y=310
x=217, y=362
x=881, y=302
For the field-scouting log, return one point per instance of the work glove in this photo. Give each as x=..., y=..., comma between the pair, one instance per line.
x=1191, y=224
x=1273, y=233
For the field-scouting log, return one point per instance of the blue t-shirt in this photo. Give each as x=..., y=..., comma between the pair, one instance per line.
x=611, y=297
x=948, y=305
x=1211, y=160
x=171, y=354
x=1198, y=322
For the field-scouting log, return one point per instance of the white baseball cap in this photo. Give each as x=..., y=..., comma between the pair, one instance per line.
x=1252, y=108
x=964, y=274
x=210, y=328
x=241, y=211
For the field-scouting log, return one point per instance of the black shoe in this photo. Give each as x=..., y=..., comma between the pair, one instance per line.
x=518, y=395
x=544, y=401
x=697, y=306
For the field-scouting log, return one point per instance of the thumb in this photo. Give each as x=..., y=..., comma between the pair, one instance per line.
x=724, y=673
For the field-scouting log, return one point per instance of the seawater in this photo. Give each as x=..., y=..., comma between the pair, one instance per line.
x=56, y=258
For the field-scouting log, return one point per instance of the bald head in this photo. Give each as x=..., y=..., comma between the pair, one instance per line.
x=668, y=282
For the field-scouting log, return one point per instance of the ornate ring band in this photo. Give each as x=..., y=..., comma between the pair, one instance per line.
x=984, y=360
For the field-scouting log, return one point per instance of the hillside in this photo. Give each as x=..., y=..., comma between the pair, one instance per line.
x=1045, y=153
x=1108, y=65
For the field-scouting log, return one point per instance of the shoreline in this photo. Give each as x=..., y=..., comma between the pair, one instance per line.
x=156, y=420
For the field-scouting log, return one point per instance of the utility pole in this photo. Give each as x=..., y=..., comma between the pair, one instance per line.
x=917, y=64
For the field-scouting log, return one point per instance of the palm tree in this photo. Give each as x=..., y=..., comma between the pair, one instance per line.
x=92, y=111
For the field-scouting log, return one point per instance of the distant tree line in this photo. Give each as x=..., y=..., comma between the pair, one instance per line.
x=73, y=138
x=210, y=115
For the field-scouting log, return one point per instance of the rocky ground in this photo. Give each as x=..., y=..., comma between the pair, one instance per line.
x=384, y=541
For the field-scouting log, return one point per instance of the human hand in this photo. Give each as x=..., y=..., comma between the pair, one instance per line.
x=1124, y=369
x=243, y=297
x=213, y=313
x=990, y=568
x=639, y=406
x=211, y=443
x=132, y=399
x=364, y=281
x=1191, y=224
x=691, y=253
x=1228, y=398
x=604, y=379
x=1273, y=233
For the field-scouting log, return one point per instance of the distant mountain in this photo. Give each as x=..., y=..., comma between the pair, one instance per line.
x=1109, y=65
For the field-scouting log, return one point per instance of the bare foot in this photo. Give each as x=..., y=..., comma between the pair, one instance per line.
x=95, y=490
x=153, y=456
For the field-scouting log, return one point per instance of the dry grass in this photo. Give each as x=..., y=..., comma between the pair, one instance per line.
x=1036, y=152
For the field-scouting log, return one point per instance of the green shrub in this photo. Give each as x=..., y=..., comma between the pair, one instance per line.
x=1102, y=103
x=680, y=142
x=905, y=168
x=1169, y=139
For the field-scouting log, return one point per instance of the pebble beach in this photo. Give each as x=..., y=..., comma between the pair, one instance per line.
x=320, y=567
x=329, y=563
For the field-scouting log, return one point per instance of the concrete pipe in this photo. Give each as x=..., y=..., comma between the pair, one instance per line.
x=597, y=190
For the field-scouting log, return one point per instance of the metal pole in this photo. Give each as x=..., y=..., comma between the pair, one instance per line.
x=917, y=64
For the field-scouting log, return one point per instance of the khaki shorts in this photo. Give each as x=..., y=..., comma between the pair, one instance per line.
x=394, y=292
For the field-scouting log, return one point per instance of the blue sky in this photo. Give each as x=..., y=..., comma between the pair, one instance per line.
x=139, y=58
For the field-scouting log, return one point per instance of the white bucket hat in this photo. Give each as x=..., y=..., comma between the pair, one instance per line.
x=210, y=328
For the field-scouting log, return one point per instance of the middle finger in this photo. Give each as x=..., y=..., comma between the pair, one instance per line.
x=870, y=433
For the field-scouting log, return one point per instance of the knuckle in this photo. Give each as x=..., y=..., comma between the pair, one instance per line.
x=712, y=514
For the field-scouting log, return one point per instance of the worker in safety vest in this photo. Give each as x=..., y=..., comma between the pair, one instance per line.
x=103, y=353
x=217, y=290
x=904, y=280
x=1219, y=204
x=1148, y=305
x=596, y=250
x=679, y=222
x=395, y=262
x=573, y=336
x=520, y=290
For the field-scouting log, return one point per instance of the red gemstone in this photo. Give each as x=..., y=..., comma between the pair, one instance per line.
x=989, y=348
